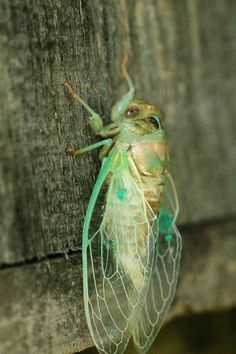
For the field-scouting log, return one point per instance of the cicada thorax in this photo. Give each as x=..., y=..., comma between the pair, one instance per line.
x=152, y=162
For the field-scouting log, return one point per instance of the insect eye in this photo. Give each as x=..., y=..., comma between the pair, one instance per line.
x=131, y=112
x=155, y=121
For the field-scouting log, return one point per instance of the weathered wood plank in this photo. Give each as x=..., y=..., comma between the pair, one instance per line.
x=41, y=309
x=181, y=56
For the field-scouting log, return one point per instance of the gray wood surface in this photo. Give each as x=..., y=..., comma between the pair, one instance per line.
x=181, y=56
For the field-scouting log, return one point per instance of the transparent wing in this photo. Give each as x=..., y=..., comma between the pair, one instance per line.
x=118, y=253
x=164, y=275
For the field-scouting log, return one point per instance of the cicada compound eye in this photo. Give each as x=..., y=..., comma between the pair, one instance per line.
x=131, y=112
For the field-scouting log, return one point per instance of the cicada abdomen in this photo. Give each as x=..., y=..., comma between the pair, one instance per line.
x=128, y=221
x=131, y=246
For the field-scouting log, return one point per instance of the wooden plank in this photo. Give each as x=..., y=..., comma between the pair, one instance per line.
x=41, y=303
x=41, y=309
x=181, y=55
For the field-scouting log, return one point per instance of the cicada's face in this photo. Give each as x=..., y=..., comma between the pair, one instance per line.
x=141, y=118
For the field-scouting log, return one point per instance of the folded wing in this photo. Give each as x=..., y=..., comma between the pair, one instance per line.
x=118, y=252
x=164, y=274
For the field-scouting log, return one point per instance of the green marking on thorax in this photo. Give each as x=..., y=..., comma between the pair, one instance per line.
x=165, y=221
x=121, y=194
x=168, y=237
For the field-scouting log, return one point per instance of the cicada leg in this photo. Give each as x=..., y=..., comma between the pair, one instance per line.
x=174, y=202
x=105, y=143
x=176, y=207
x=119, y=107
x=124, y=72
x=95, y=120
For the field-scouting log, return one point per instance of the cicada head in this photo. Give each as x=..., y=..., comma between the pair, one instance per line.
x=141, y=118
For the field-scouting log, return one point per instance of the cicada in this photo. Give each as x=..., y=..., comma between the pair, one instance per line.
x=131, y=245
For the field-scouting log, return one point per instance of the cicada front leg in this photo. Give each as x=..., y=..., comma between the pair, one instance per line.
x=120, y=106
x=95, y=119
x=98, y=128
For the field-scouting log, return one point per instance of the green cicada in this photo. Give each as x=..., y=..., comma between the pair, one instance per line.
x=131, y=245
